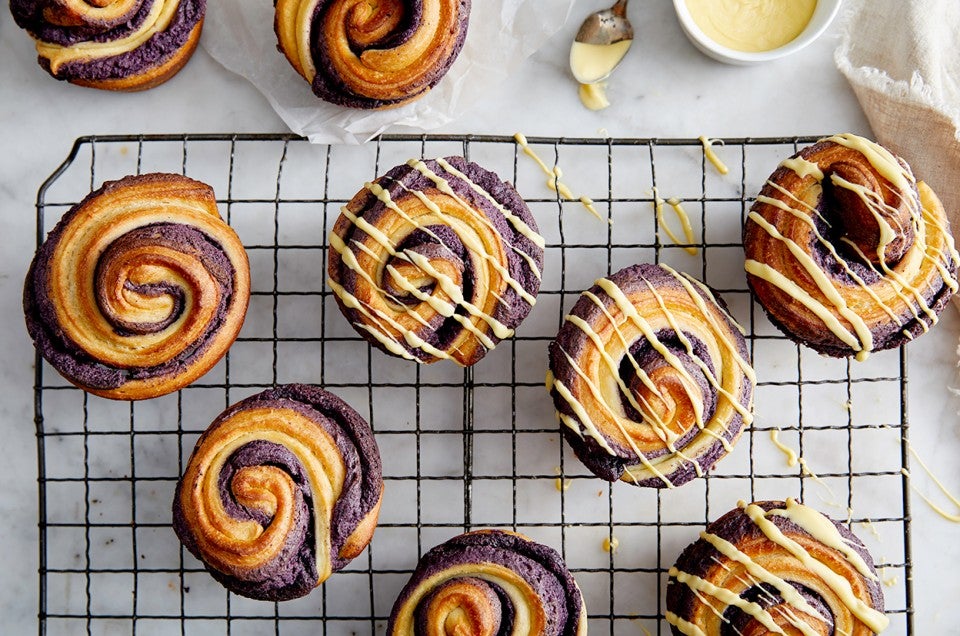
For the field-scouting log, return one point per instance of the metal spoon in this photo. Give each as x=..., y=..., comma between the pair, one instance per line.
x=594, y=55
x=606, y=27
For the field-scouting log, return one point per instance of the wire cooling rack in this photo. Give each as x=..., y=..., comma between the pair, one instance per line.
x=462, y=449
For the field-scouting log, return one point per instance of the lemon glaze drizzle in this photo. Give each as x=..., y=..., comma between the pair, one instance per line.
x=954, y=518
x=774, y=599
x=711, y=156
x=682, y=216
x=447, y=285
x=553, y=178
x=585, y=425
x=887, y=165
x=817, y=526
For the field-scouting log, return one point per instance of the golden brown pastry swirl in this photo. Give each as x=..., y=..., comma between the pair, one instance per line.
x=774, y=567
x=436, y=259
x=282, y=489
x=847, y=252
x=488, y=583
x=650, y=377
x=139, y=289
x=371, y=55
x=124, y=45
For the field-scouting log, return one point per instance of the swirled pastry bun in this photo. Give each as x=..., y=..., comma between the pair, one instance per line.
x=282, y=490
x=120, y=45
x=490, y=582
x=139, y=289
x=436, y=259
x=371, y=55
x=847, y=252
x=775, y=567
x=651, y=377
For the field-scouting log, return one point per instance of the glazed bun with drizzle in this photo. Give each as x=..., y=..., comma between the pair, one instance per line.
x=774, y=567
x=438, y=259
x=847, y=251
x=651, y=377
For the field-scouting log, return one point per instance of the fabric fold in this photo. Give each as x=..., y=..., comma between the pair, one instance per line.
x=903, y=63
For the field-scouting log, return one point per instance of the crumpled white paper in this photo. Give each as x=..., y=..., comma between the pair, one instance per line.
x=502, y=33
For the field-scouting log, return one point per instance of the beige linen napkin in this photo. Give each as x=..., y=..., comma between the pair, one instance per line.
x=902, y=58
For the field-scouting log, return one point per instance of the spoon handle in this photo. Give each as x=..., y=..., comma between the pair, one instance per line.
x=620, y=8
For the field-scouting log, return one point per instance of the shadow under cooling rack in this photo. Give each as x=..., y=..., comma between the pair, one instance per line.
x=462, y=449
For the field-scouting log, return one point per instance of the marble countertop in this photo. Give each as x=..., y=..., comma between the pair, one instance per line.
x=664, y=89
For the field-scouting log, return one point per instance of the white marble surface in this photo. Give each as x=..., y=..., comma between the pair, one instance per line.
x=665, y=89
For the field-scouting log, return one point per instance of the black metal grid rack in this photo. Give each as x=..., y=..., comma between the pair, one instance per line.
x=462, y=449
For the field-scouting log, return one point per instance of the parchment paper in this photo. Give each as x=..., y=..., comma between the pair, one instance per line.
x=239, y=34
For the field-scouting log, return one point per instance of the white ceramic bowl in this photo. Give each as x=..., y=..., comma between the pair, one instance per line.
x=822, y=17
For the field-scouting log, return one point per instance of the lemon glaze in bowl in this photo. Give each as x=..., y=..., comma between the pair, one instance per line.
x=823, y=15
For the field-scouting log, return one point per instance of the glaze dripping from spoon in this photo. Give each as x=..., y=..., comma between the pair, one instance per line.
x=599, y=47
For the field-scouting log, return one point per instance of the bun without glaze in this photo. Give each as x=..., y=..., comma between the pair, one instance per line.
x=847, y=252
x=436, y=259
x=282, y=490
x=490, y=582
x=651, y=377
x=371, y=55
x=140, y=288
x=775, y=567
x=123, y=45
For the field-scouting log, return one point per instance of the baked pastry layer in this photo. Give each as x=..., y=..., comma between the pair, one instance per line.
x=437, y=259
x=490, y=582
x=847, y=252
x=775, y=567
x=367, y=55
x=282, y=490
x=124, y=45
x=651, y=377
x=140, y=288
